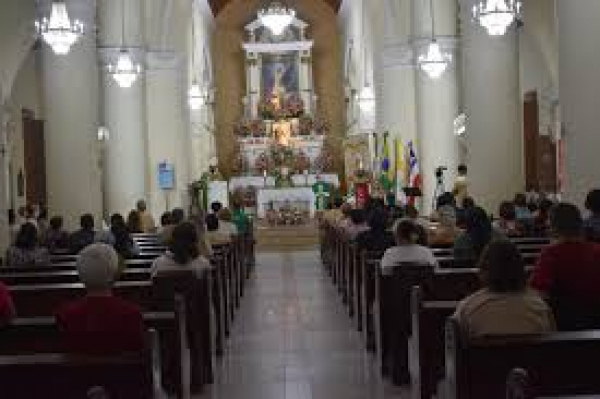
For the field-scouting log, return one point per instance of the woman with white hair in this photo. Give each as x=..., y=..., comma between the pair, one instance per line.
x=100, y=323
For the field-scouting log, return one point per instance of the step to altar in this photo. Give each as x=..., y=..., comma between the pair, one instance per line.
x=286, y=238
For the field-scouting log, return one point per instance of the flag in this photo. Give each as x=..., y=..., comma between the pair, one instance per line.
x=400, y=171
x=385, y=159
x=414, y=174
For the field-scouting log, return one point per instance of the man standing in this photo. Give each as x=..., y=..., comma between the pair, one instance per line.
x=146, y=220
x=461, y=185
x=321, y=190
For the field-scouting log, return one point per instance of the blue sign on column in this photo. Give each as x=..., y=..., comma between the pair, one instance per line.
x=166, y=176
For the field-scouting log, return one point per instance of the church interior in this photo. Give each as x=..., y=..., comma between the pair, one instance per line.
x=299, y=199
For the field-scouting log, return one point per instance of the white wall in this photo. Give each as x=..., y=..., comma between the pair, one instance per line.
x=26, y=93
x=579, y=41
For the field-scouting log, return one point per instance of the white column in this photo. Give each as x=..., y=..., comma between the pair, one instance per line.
x=492, y=104
x=71, y=111
x=579, y=63
x=125, y=166
x=305, y=84
x=168, y=127
x=437, y=99
x=254, y=94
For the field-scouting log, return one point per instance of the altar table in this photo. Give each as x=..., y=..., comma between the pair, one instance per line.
x=299, y=180
x=295, y=195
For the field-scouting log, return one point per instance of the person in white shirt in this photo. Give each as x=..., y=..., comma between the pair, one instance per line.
x=183, y=253
x=226, y=227
x=406, y=250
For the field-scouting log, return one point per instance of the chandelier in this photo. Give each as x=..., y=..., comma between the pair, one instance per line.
x=434, y=62
x=59, y=31
x=496, y=15
x=125, y=71
x=276, y=17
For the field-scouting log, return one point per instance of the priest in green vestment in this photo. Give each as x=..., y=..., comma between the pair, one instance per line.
x=322, y=193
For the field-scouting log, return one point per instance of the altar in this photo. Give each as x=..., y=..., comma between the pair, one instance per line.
x=301, y=198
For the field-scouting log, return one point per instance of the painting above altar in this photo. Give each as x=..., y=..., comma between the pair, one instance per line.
x=279, y=76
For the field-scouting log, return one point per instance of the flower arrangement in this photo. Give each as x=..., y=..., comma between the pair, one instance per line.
x=305, y=125
x=321, y=126
x=257, y=128
x=302, y=162
x=262, y=163
x=290, y=107
x=267, y=109
x=241, y=129
x=293, y=106
x=281, y=155
x=324, y=161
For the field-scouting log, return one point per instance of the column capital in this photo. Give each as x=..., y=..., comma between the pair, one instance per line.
x=110, y=54
x=157, y=60
x=448, y=43
x=82, y=10
x=398, y=54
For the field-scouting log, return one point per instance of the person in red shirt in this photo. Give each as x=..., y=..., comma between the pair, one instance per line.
x=568, y=272
x=7, y=308
x=100, y=323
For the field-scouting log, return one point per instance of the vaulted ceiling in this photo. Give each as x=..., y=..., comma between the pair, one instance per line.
x=218, y=5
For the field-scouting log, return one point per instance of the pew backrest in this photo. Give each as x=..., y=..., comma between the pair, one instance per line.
x=564, y=363
x=66, y=376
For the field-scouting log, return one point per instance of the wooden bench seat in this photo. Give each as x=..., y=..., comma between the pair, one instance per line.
x=60, y=375
x=37, y=335
x=564, y=363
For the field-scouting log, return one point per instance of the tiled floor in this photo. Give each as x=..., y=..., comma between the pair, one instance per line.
x=293, y=340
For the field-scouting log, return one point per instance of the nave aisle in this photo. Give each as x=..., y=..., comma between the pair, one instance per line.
x=293, y=339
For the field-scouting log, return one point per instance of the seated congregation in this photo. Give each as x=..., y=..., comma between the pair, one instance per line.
x=121, y=307
x=451, y=304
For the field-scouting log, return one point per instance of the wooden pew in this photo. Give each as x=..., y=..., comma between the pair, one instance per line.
x=392, y=316
x=60, y=375
x=563, y=363
x=426, y=342
x=66, y=276
x=35, y=335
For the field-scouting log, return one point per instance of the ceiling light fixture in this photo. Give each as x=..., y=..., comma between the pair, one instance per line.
x=435, y=61
x=125, y=72
x=496, y=16
x=276, y=17
x=59, y=31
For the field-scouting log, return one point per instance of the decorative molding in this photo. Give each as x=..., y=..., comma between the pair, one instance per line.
x=278, y=47
x=400, y=54
x=297, y=23
x=404, y=54
x=164, y=60
x=109, y=54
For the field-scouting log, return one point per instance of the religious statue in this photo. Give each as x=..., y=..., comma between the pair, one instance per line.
x=214, y=174
x=282, y=136
x=278, y=93
x=321, y=190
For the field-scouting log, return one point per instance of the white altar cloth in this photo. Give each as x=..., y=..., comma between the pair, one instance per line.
x=298, y=180
x=278, y=196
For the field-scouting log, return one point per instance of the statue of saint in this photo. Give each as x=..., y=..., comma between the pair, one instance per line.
x=279, y=91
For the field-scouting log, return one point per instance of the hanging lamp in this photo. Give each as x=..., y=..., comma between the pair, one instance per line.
x=125, y=72
x=496, y=16
x=59, y=31
x=276, y=17
x=435, y=61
